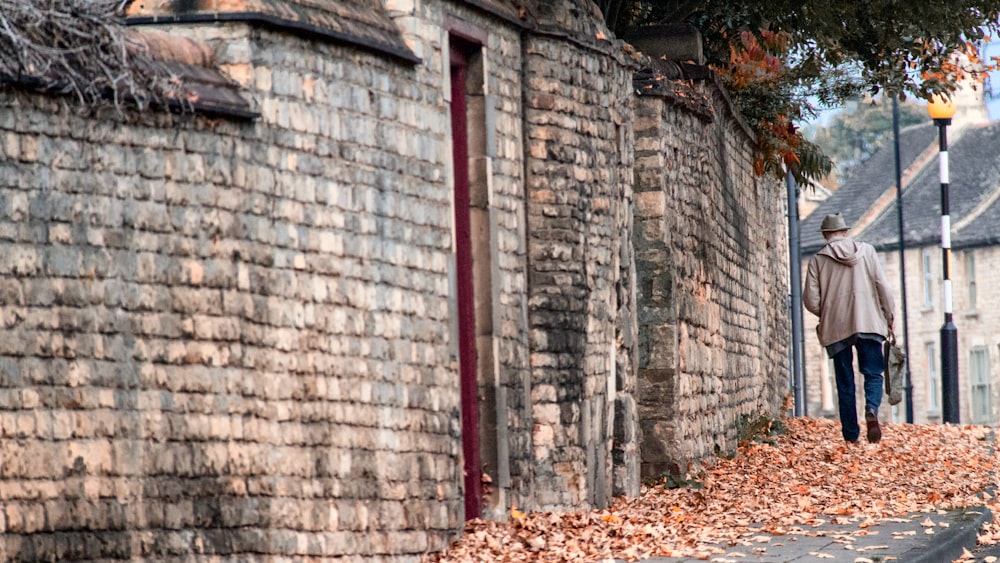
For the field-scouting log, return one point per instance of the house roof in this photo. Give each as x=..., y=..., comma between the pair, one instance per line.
x=981, y=227
x=984, y=230
x=877, y=175
x=974, y=186
x=974, y=192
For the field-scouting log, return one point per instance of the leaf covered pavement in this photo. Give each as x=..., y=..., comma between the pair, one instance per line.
x=784, y=485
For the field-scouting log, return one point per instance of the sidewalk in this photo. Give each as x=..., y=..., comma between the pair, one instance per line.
x=795, y=492
x=921, y=538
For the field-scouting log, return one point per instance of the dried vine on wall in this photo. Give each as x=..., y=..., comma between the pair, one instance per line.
x=79, y=47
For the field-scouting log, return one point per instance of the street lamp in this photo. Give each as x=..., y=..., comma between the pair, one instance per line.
x=907, y=380
x=941, y=110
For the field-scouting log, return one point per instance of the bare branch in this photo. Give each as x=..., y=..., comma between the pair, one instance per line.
x=80, y=47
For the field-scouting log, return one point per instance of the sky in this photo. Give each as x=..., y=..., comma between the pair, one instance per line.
x=992, y=106
x=993, y=102
x=992, y=49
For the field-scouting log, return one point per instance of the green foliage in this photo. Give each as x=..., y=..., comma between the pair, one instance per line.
x=854, y=134
x=836, y=51
x=899, y=46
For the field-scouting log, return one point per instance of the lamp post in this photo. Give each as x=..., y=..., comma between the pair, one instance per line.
x=907, y=381
x=941, y=110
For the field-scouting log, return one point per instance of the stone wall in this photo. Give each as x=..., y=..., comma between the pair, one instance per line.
x=499, y=224
x=229, y=338
x=578, y=114
x=711, y=255
x=226, y=338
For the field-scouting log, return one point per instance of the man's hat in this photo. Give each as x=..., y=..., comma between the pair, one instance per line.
x=833, y=222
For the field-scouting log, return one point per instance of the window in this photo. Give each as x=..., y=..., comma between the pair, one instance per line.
x=970, y=276
x=928, y=279
x=933, y=380
x=979, y=372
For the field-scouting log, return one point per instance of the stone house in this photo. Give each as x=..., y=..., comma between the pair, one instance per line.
x=405, y=264
x=869, y=203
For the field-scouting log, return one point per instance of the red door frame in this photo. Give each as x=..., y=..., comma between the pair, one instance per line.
x=466, y=295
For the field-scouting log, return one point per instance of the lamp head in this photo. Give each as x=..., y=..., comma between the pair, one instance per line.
x=941, y=107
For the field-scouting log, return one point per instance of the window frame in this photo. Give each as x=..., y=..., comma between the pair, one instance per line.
x=970, y=279
x=980, y=385
x=933, y=379
x=928, y=275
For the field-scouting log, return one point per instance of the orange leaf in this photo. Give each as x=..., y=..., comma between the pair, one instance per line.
x=517, y=514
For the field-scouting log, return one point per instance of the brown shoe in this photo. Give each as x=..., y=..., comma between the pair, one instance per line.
x=874, y=431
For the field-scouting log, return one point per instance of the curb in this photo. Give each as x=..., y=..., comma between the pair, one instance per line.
x=947, y=546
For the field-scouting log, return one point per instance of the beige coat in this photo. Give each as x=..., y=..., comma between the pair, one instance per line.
x=847, y=289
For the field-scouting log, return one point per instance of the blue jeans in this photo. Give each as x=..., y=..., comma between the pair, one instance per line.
x=871, y=363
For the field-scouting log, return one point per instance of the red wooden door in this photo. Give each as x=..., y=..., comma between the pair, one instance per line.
x=465, y=297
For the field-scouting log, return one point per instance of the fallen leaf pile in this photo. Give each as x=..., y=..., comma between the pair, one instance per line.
x=803, y=478
x=989, y=534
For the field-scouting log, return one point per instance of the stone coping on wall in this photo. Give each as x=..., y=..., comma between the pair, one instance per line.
x=674, y=81
x=191, y=61
x=511, y=11
x=360, y=22
x=188, y=61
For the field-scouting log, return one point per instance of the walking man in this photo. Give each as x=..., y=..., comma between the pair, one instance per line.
x=847, y=289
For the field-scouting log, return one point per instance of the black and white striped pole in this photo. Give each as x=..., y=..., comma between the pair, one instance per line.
x=942, y=109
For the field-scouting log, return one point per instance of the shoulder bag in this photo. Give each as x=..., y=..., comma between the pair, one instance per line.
x=895, y=358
